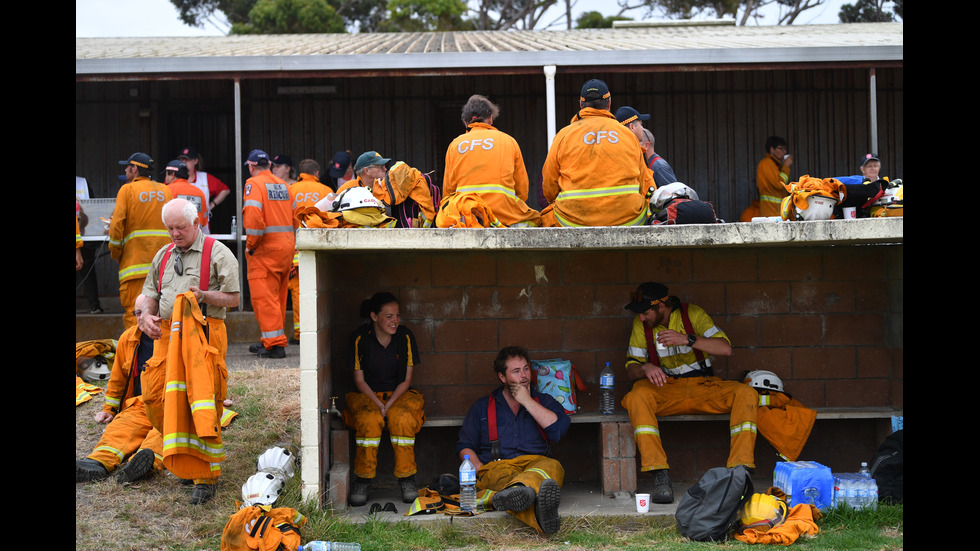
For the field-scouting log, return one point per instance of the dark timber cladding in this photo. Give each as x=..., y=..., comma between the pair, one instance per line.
x=310, y=95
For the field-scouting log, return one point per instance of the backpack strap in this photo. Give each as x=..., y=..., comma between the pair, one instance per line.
x=205, y=264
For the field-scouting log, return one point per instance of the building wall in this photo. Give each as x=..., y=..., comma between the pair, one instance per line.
x=827, y=320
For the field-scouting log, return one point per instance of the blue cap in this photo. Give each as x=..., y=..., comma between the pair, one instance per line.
x=257, y=157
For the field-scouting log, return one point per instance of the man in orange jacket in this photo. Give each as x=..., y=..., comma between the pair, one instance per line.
x=488, y=163
x=772, y=174
x=595, y=174
x=306, y=192
x=176, y=180
x=136, y=231
x=267, y=218
x=128, y=433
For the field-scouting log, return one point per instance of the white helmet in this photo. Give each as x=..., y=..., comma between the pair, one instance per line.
x=93, y=369
x=764, y=380
x=357, y=197
x=671, y=191
x=819, y=207
x=261, y=489
x=278, y=461
x=894, y=193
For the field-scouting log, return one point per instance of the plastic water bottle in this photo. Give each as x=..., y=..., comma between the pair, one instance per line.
x=607, y=391
x=865, y=470
x=234, y=227
x=329, y=546
x=467, y=485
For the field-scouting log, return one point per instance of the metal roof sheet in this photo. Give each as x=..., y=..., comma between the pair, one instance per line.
x=474, y=49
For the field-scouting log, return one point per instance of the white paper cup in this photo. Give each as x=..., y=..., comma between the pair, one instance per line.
x=850, y=213
x=642, y=503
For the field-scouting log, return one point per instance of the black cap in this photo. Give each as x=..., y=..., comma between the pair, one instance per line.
x=188, y=153
x=257, y=157
x=340, y=164
x=646, y=296
x=593, y=90
x=282, y=160
x=868, y=157
x=178, y=167
x=141, y=160
x=627, y=114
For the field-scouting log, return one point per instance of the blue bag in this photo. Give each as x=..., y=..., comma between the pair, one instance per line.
x=558, y=379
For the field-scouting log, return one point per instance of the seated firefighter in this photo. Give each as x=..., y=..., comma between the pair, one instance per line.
x=668, y=358
x=129, y=447
x=507, y=436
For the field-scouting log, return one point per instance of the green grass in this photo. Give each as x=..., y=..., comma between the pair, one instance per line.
x=154, y=514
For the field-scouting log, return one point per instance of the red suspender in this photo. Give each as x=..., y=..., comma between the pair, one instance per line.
x=205, y=264
x=688, y=328
x=492, y=426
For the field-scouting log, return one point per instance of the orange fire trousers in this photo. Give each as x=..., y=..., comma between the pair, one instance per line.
x=692, y=395
x=404, y=419
x=128, y=291
x=529, y=470
x=128, y=432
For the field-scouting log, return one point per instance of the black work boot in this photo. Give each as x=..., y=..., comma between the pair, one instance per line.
x=203, y=493
x=663, y=490
x=137, y=467
x=513, y=498
x=276, y=352
x=546, y=506
x=87, y=470
x=359, y=495
x=256, y=348
x=409, y=490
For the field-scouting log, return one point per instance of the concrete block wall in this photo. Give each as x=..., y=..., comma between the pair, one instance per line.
x=819, y=317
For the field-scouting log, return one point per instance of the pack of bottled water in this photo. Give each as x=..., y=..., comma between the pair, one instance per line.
x=856, y=490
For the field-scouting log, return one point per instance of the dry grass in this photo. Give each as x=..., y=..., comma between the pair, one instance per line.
x=155, y=513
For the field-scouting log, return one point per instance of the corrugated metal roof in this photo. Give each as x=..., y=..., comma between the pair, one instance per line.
x=657, y=45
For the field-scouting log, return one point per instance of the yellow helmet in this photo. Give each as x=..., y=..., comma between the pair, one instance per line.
x=762, y=512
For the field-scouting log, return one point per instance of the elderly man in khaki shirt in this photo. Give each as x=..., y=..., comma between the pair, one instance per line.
x=179, y=273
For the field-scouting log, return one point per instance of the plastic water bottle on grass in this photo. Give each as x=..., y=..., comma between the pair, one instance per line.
x=329, y=546
x=467, y=485
x=607, y=391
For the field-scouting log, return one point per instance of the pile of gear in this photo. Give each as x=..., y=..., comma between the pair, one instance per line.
x=257, y=524
x=812, y=198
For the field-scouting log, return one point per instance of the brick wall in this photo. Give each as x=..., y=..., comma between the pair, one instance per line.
x=826, y=319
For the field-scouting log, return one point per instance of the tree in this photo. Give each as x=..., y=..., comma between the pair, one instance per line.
x=742, y=10
x=868, y=11
x=595, y=20
x=503, y=15
x=291, y=17
x=425, y=15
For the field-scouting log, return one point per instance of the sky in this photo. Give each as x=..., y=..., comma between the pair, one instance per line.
x=125, y=18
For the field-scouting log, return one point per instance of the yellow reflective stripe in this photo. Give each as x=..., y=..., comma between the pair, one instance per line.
x=368, y=442
x=646, y=429
x=146, y=233
x=112, y=401
x=176, y=386
x=593, y=193
x=485, y=502
x=188, y=441
x=402, y=441
x=488, y=188
x=763, y=399
x=770, y=199
x=135, y=269
x=111, y=450
x=202, y=405
x=747, y=426
x=538, y=471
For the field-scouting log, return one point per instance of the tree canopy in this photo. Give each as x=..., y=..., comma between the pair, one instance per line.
x=869, y=11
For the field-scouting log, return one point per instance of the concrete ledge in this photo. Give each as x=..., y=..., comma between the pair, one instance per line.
x=830, y=232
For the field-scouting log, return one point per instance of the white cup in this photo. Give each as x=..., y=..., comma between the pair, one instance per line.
x=642, y=503
x=850, y=213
